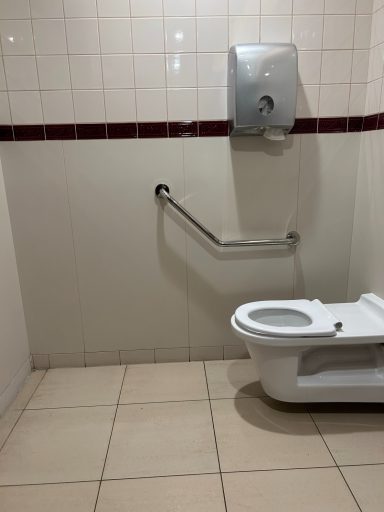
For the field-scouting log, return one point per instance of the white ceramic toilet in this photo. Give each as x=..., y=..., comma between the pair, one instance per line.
x=307, y=351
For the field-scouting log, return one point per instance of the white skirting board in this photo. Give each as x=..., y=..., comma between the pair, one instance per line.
x=10, y=392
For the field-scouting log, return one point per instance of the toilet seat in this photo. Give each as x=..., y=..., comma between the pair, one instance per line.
x=287, y=318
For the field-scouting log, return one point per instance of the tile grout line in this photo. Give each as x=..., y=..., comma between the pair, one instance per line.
x=110, y=438
x=331, y=454
x=214, y=434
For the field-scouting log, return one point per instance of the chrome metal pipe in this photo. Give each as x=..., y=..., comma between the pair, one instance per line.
x=162, y=191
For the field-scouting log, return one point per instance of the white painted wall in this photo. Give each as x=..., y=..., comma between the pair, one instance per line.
x=14, y=350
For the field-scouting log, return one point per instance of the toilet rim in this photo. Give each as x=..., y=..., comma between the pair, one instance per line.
x=322, y=322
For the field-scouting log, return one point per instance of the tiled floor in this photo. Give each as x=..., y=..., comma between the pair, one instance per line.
x=191, y=437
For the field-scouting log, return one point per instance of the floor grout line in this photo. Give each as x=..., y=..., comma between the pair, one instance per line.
x=214, y=434
x=110, y=438
x=331, y=454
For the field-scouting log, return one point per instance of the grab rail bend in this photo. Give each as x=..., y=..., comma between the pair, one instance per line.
x=162, y=191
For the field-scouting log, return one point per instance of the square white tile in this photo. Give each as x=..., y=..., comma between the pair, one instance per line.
x=165, y=382
x=270, y=435
x=233, y=379
x=61, y=445
x=77, y=387
x=162, y=439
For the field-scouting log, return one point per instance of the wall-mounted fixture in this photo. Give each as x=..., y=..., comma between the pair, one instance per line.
x=262, y=91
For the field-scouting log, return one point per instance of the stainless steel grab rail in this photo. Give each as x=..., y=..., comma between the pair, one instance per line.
x=162, y=191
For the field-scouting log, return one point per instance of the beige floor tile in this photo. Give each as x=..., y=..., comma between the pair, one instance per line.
x=353, y=438
x=26, y=392
x=198, y=493
x=230, y=379
x=60, y=445
x=366, y=483
x=75, y=387
x=79, y=497
x=255, y=433
x=297, y=490
x=164, y=382
x=162, y=439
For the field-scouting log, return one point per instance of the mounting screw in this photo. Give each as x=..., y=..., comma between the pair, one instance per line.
x=161, y=187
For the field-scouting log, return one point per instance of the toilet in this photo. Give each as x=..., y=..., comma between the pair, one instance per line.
x=307, y=351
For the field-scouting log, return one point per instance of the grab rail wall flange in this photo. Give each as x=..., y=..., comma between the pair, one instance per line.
x=292, y=239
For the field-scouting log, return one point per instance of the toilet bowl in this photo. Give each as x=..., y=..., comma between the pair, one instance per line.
x=306, y=351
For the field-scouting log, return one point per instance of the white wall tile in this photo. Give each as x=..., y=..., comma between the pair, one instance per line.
x=336, y=67
x=180, y=35
x=211, y=8
x=120, y=105
x=102, y=358
x=149, y=71
x=334, y=100
x=144, y=8
x=80, y=8
x=16, y=37
x=57, y=107
x=181, y=70
x=363, y=25
x=244, y=7
x=182, y=104
x=340, y=6
x=3, y=85
x=151, y=104
x=276, y=29
x=364, y=7
x=338, y=32
x=115, y=35
x=212, y=34
x=113, y=8
x=66, y=360
x=11, y=10
x=5, y=112
x=44, y=249
x=82, y=36
x=171, y=355
x=89, y=106
x=374, y=90
x=328, y=170
x=309, y=67
x=21, y=73
x=148, y=35
x=276, y=7
x=102, y=217
x=86, y=71
x=53, y=72
x=212, y=69
x=137, y=356
x=118, y=72
x=26, y=107
x=49, y=37
x=213, y=103
x=307, y=101
x=308, y=6
x=360, y=64
x=244, y=29
x=307, y=32
x=206, y=353
x=179, y=7
x=46, y=8
x=357, y=99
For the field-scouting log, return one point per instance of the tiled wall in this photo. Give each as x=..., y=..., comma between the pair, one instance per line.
x=105, y=271
x=92, y=61
x=375, y=93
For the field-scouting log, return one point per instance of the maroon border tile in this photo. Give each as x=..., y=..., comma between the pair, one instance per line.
x=380, y=124
x=122, y=130
x=183, y=129
x=213, y=128
x=332, y=125
x=355, y=123
x=29, y=132
x=370, y=122
x=91, y=131
x=6, y=132
x=152, y=130
x=60, y=132
x=305, y=125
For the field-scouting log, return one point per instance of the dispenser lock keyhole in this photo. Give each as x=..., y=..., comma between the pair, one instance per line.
x=266, y=105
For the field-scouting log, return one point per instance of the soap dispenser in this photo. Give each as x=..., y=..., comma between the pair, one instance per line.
x=262, y=92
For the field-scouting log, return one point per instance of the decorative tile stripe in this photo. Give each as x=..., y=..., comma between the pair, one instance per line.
x=178, y=129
